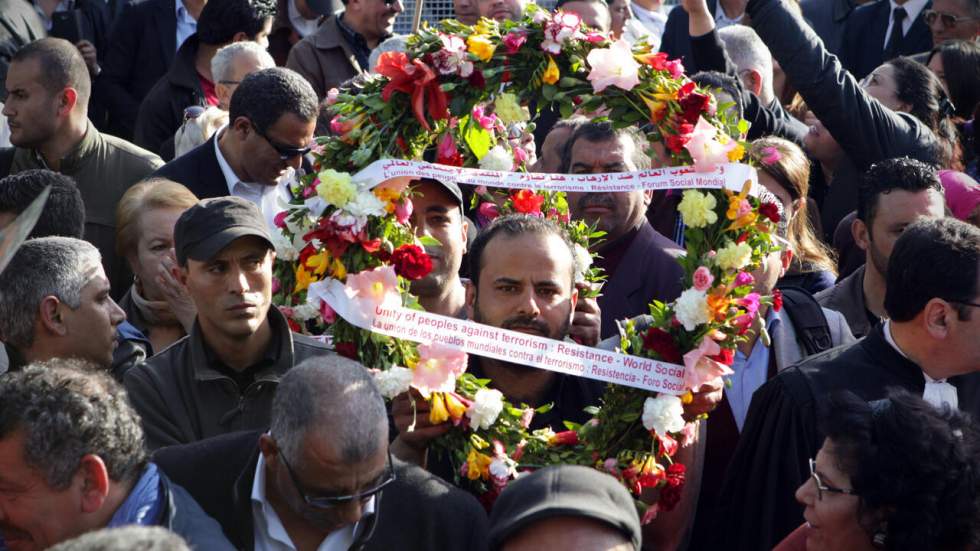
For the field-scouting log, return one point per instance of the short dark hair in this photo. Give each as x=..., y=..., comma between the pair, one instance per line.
x=597, y=132
x=221, y=20
x=62, y=66
x=916, y=464
x=64, y=211
x=884, y=177
x=718, y=81
x=69, y=409
x=264, y=96
x=515, y=225
x=932, y=259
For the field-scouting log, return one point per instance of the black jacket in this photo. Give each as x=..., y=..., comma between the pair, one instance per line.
x=418, y=511
x=863, y=42
x=866, y=130
x=142, y=44
x=198, y=171
x=162, y=110
x=827, y=18
x=676, y=41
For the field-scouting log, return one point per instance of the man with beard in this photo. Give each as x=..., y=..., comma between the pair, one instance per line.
x=640, y=263
x=894, y=194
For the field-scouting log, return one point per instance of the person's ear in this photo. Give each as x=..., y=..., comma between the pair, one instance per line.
x=94, y=483
x=647, y=199
x=269, y=448
x=861, y=234
x=69, y=97
x=574, y=299
x=180, y=274
x=240, y=36
x=753, y=80
x=242, y=126
x=465, y=230
x=785, y=259
x=470, y=298
x=51, y=316
x=937, y=317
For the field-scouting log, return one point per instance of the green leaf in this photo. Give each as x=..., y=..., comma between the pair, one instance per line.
x=566, y=110
x=743, y=126
x=478, y=140
x=548, y=91
x=429, y=241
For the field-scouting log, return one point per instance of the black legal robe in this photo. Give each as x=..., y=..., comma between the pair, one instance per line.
x=756, y=506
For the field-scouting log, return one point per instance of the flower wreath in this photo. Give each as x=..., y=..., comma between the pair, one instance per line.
x=465, y=94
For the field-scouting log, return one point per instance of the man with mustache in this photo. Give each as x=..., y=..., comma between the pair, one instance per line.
x=640, y=262
x=221, y=377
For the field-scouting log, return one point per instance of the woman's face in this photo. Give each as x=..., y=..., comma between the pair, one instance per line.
x=621, y=13
x=818, y=142
x=936, y=66
x=832, y=517
x=156, y=240
x=881, y=85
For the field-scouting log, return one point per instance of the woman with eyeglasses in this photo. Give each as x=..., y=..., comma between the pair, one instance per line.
x=900, y=110
x=895, y=473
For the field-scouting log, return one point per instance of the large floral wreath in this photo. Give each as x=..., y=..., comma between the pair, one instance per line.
x=465, y=95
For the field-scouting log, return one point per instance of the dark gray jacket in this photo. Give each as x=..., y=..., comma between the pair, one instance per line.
x=182, y=397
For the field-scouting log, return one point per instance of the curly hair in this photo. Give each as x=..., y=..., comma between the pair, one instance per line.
x=221, y=20
x=68, y=409
x=884, y=177
x=928, y=101
x=916, y=465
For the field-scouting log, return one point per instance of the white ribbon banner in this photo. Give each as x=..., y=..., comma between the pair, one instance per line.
x=502, y=344
x=730, y=176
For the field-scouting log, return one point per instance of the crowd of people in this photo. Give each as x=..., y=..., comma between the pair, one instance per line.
x=147, y=379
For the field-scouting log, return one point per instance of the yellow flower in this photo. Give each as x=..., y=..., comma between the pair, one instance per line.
x=388, y=196
x=736, y=154
x=477, y=465
x=337, y=269
x=438, y=413
x=509, y=109
x=303, y=279
x=739, y=209
x=318, y=263
x=456, y=408
x=698, y=209
x=658, y=109
x=480, y=46
x=335, y=187
x=551, y=74
x=734, y=256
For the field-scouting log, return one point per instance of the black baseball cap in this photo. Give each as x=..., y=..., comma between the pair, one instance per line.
x=209, y=226
x=563, y=491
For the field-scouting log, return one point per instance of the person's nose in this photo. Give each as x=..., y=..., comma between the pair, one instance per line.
x=351, y=512
x=806, y=494
x=237, y=281
x=118, y=315
x=397, y=6
x=528, y=305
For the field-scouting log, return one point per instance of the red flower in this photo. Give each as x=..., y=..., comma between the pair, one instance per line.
x=660, y=341
x=564, y=438
x=476, y=79
x=726, y=356
x=411, y=262
x=371, y=245
x=770, y=211
x=527, y=202
x=685, y=90
x=777, y=300
x=670, y=494
x=346, y=349
x=693, y=105
x=676, y=142
x=417, y=79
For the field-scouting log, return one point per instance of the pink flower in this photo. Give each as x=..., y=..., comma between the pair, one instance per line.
x=594, y=37
x=771, y=155
x=488, y=210
x=331, y=96
x=276, y=285
x=705, y=148
x=403, y=211
x=675, y=67
x=613, y=66
x=374, y=289
x=699, y=369
x=513, y=41
x=480, y=190
x=280, y=219
x=744, y=278
x=486, y=121
x=703, y=278
x=526, y=417
x=562, y=27
x=437, y=368
x=327, y=313
x=750, y=302
x=453, y=57
x=446, y=152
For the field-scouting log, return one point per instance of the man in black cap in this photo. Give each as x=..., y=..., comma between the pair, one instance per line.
x=565, y=507
x=222, y=376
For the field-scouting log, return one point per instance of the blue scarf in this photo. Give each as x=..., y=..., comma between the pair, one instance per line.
x=145, y=502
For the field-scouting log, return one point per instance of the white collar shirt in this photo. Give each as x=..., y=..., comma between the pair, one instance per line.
x=655, y=21
x=271, y=200
x=271, y=535
x=722, y=20
x=937, y=392
x=912, y=10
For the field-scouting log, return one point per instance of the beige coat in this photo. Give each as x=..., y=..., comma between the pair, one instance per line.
x=324, y=58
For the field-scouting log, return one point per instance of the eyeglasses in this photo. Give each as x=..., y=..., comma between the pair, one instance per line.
x=949, y=20
x=821, y=487
x=192, y=112
x=330, y=502
x=285, y=152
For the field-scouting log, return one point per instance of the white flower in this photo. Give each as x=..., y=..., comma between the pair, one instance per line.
x=393, y=381
x=487, y=405
x=691, y=308
x=734, y=256
x=497, y=158
x=303, y=312
x=284, y=246
x=365, y=204
x=501, y=470
x=663, y=414
x=583, y=260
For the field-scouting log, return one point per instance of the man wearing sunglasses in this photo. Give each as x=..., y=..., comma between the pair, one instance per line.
x=322, y=477
x=953, y=20
x=271, y=117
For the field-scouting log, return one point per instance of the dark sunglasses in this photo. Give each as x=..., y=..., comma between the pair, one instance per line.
x=949, y=20
x=285, y=152
x=330, y=502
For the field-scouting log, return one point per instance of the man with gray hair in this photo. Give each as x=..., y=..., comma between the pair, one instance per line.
x=752, y=58
x=72, y=460
x=55, y=303
x=323, y=477
x=232, y=63
x=127, y=538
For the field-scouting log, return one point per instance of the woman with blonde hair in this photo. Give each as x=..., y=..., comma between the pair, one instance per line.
x=785, y=171
x=157, y=304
